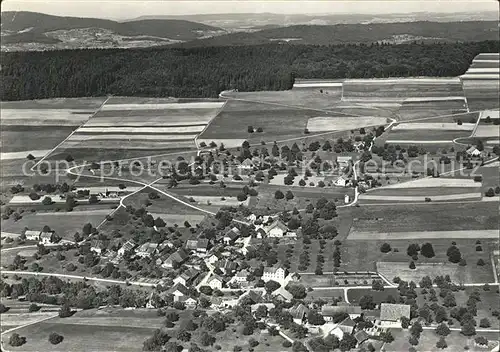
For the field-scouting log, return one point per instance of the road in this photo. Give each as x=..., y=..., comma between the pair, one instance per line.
x=77, y=277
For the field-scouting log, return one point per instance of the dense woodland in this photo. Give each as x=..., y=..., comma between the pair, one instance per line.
x=204, y=72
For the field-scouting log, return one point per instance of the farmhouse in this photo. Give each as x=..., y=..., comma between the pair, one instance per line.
x=179, y=290
x=32, y=235
x=97, y=246
x=277, y=273
x=189, y=302
x=282, y=294
x=246, y=166
x=231, y=236
x=299, y=313
x=127, y=246
x=329, y=312
x=391, y=314
x=241, y=277
x=361, y=336
x=347, y=325
x=46, y=237
x=213, y=259
x=473, y=151
x=146, y=250
x=215, y=282
x=227, y=267
x=341, y=182
x=276, y=229
x=187, y=277
x=175, y=258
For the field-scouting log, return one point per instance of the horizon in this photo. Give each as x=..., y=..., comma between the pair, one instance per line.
x=133, y=9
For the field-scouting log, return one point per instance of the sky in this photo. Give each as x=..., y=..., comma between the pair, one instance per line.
x=123, y=9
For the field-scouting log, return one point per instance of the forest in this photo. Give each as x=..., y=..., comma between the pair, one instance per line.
x=205, y=72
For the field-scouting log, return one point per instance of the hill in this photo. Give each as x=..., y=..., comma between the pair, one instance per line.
x=394, y=33
x=32, y=27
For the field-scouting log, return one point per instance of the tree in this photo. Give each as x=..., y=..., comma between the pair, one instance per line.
x=93, y=199
x=315, y=318
x=272, y=286
x=55, y=338
x=183, y=335
x=16, y=340
x=443, y=330
x=3, y=308
x=289, y=195
x=412, y=265
x=441, y=343
x=386, y=336
x=405, y=322
x=377, y=285
x=30, y=157
x=65, y=311
x=468, y=328
x=278, y=195
x=416, y=329
x=481, y=340
x=298, y=291
x=490, y=192
x=385, y=248
x=366, y=302
x=250, y=129
x=427, y=250
x=47, y=201
x=454, y=254
x=484, y=323
x=449, y=300
x=34, y=307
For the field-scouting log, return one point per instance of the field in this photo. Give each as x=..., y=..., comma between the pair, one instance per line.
x=400, y=89
x=94, y=330
x=309, y=97
x=420, y=198
x=431, y=136
x=481, y=85
x=139, y=127
x=64, y=223
x=323, y=124
x=452, y=217
x=416, y=108
x=486, y=131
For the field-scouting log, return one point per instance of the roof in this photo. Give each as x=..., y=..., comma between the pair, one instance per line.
x=247, y=162
x=192, y=244
x=255, y=296
x=215, y=277
x=178, y=256
x=277, y=224
x=298, y=311
x=232, y=234
x=272, y=270
x=128, y=245
x=283, y=293
x=244, y=273
x=347, y=322
x=226, y=265
x=32, y=233
x=361, y=336
x=344, y=158
x=97, y=244
x=148, y=247
x=394, y=312
x=189, y=274
x=202, y=243
x=327, y=310
x=181, y=288
x=471, y=149
x=46, y=234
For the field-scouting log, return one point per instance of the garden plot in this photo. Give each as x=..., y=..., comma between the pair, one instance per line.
x=219, y=201
x=487, y=131
x=419, y=235
x=142, y=130
x=179, y=219
x=326, y=123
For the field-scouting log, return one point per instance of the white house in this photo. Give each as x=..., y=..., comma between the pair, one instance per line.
x=344, y=161
x=46, y=237
x=282, y=294
x=215, y=282
x=276, y=229
x=241, y=277
x=214, y=258
x=341, y=182
x=32, y=235
x=146, y=250
x=391, y=314
x=127, y=246
x=179, y=290
x=186, y=277
x=277, y=273
x=231, y=236
x=473, y=151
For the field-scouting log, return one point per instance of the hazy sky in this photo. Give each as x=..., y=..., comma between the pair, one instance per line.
x=122, y=9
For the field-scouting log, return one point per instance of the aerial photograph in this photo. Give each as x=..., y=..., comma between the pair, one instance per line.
x=250, y=176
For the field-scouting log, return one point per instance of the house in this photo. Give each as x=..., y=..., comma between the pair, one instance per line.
x=32, y=235
x=337, y=332
x=241, y=277
x=179, y=290
x=344, y=161
x=175, y=258
x=189, y=302
x=127, y=246
x=251, y=218
x=251, y=297
x=215, y=282
x=46, y=237
x=199, y=245
x=214, y=258
x=299, y=313
x=276, y=273
x=260, y=232
x=361, y=336
x=276, y=229
x=391, y=314
x=146, y=250
x=187, y=277
x=97, y=246
x=341, y=182
x=330, y=312
x=473, y=151
x=347, y=325
x=227, y=267
x=282, y=294
x=246, y=165
x=191, y=244
x=231, y=236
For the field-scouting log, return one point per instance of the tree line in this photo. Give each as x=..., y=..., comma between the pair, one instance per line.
x=205, y=72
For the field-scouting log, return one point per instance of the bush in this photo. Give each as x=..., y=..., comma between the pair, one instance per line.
x=287, y=344
x=55, y=338
x=15, y=340
x=490, y=192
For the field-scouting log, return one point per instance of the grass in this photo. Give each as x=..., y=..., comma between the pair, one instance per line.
x=20, y=138
x=57, y=103
x=476, y=216
x=427, y=135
